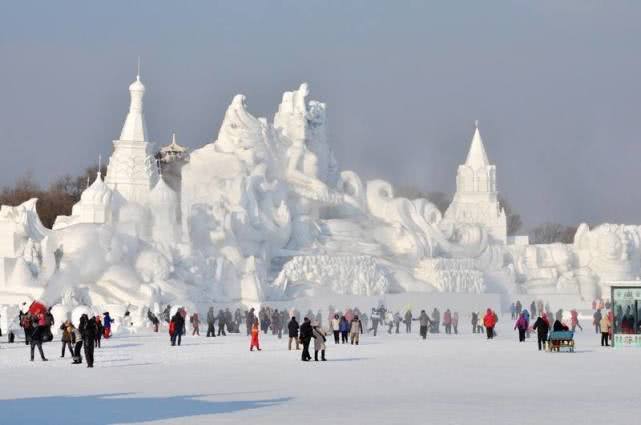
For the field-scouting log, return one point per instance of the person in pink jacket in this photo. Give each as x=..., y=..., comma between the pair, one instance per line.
x=522, y=326
x=447, y=321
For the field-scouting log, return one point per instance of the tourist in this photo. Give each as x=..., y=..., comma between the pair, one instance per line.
x=88, y=330
x=435, y=321
x=335, y=326
x=99, y=331
x=475, y=322
x=455, y=322
x=77, y=348
x=249, y=320
x=513, y=311
x=319, y=341
x=390, y=322
x=542, y=327
x=176, y=328
x=397, y=322
x=447, y=321
x=153, y=319
x=26, y=323
x=254, y=337
x=195, y=324
x=356, y=329
x=67, y=337
x=221, y=323
x=211, y=319
x=408, y=321
x=559, y=326
x=292, y=328
x=575, y=320
x=533, y=308
x=277, y=329
x=38, y=329
x=527, y=317
x=604, y=326
x=375, y=318
x=107, y=321
x=489, y=321
x=519, y=307
x=424, y=322
x=343, y=327
x=306, y=335
x=522, y=325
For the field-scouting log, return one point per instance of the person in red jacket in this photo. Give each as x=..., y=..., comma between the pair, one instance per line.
x=254, y=338
x=489, y=320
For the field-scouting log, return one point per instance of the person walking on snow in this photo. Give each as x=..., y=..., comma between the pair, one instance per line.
x=306, y=335
x=447, y=321
x=604, y=325
x=88, y=330
x=455, y=322
x=424, y=323
x=343, y=326
x=489, y=321
x=319, y=341
x=221, y=323
x=254, y=337
x=335, y=323
x=195, y=324
x=38, y=329
x=522, y=325
x=67, y=337
x=408, y=321
x=356, y=329
x=292, y=328
x=542, y=328
x=106, y=326
x=211, y=318
x=574, y=320
x=176, y=327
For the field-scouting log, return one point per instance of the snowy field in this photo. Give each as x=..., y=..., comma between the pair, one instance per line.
x=448, y=379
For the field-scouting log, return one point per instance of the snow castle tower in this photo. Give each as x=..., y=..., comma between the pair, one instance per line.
x=131, y=171
x=476, y=199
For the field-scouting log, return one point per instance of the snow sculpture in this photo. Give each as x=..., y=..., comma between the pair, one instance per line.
x=94, y=206
x=353, y=275
x=163, y=204
x=264, y=213
x=131, y=171
x=476, y=198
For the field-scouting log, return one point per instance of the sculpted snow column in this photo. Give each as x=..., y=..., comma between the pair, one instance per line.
x=476, y=198
x=132, y=171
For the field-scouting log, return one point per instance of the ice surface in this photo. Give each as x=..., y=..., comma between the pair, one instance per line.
x=389, y=379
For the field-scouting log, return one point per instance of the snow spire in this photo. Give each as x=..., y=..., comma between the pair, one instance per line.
x=135, y=128
x=476, y=157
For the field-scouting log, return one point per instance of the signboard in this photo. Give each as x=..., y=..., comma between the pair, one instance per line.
x=626, y=310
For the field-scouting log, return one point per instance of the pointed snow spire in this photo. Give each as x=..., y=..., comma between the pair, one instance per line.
x=476, y=157
x=135, y=128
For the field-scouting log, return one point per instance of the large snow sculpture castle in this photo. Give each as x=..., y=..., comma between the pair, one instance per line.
x=264, y=213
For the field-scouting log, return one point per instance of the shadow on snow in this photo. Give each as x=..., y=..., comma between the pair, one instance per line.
x=107, y=409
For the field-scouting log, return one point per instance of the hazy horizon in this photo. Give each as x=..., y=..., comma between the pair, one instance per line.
x=555, y=87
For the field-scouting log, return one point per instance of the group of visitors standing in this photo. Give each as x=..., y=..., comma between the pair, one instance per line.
x=88, y=334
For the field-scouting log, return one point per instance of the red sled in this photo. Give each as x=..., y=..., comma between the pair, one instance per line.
x=106, y=332
x=172, y=328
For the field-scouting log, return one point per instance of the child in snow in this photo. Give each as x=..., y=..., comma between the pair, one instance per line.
x=254, y=337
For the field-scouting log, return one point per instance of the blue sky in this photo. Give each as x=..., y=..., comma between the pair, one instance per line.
x=555, y=86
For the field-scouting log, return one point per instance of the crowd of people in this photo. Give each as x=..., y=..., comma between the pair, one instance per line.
x=37, y=323
x=345, y=326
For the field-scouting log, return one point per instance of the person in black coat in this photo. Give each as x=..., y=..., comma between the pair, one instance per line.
x=306, y=335
x=542, y=327
x=88, y=330
x=179, y=325
x=36, y=338
x=292, y=328
x=559, y=327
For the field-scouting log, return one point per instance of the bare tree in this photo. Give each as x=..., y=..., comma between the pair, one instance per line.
x=551, y=233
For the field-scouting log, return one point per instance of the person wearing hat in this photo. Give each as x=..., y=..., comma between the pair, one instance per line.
x=319, y=341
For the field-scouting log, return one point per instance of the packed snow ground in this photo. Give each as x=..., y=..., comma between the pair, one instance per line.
x=448, y=379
